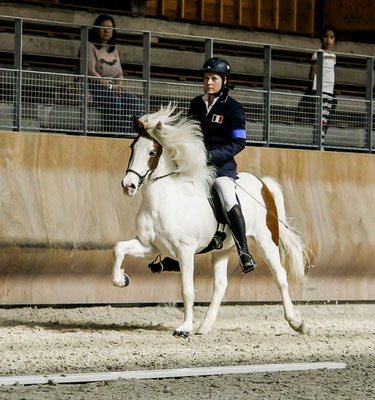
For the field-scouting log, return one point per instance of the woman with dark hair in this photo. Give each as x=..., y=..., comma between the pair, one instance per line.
x=106, y=86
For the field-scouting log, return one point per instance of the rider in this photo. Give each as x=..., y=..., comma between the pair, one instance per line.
x=223, y=124
x=222, y=121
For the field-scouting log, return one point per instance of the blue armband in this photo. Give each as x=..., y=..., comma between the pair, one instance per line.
x=239, y=133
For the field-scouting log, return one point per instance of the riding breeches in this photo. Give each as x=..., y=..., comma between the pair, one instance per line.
x=227, y=188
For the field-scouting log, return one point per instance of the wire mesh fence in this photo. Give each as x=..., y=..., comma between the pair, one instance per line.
x=253, y=102
x=348, y=125
x=55, y=102
x=163, y=93
x=8, y=79
x=51, y=102
x=114, y=106
x=292, y=119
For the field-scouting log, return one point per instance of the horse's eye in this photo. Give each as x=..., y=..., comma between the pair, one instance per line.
x=151, y=153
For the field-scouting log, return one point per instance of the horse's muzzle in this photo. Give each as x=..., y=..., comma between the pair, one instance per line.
x=129, y=189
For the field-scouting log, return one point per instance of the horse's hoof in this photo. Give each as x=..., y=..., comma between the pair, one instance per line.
x=123, y=282
x=126, y=280
x=302, y=328
x=181, y=334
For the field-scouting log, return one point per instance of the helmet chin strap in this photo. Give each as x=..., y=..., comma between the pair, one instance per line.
x=223, y=87
x=217, y=94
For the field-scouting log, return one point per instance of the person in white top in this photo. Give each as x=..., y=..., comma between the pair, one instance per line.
x=328, y=38
x=106, y=86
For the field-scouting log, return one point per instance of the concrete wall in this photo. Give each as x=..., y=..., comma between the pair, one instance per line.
x=62, y=209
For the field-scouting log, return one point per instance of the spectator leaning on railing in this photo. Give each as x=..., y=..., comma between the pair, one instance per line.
x=107, y=89
x=327, y=38
x=307, y=105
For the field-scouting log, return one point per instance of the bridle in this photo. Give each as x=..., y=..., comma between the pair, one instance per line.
x=146, y=177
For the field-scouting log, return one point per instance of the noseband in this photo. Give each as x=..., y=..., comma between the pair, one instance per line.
x=146, y=177
x=150, y=171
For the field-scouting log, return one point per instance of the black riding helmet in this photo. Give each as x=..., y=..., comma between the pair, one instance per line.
x=217, y=66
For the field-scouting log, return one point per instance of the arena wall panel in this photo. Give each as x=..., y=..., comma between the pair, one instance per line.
x=62, y=210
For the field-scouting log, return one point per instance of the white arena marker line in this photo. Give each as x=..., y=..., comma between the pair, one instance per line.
x=165, y=373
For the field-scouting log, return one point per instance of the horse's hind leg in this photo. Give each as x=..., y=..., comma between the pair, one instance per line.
x=272, y=257
x=220, y=265
x=133, y=247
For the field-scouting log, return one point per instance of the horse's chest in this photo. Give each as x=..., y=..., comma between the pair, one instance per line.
x=174, y=218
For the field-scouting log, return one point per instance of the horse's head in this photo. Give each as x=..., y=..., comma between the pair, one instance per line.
x=144, y=158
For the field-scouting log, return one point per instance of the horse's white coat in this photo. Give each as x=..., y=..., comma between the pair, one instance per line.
x=176, y=220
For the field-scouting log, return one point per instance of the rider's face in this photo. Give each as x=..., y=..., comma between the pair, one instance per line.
x=212, y=82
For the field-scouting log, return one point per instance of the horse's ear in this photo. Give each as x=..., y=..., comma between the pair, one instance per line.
x=138, y=125
x=158, y=127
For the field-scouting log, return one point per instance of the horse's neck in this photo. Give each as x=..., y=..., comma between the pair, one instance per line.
x=166, y=165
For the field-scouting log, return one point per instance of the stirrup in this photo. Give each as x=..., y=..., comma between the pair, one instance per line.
x=247, y=262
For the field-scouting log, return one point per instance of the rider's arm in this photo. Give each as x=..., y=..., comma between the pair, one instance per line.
x=238, y=138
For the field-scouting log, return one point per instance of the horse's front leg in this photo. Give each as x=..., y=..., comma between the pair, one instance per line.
x=220, y=265
x=132, y=247
x=186, y=260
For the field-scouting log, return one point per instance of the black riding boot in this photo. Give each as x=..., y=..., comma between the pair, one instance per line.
x=237, y=225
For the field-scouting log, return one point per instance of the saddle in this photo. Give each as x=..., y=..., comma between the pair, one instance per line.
x=217, y=204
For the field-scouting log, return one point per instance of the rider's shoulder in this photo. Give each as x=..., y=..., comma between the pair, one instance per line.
x=233, y=103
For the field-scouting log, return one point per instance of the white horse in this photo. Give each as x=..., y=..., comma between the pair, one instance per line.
x=176, y=220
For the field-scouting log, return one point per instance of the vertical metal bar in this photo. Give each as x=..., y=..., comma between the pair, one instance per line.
x=209, y=48
x=18, y=23
x=319, y=92
x=369, y=98
x=146, y=68
x=83, y=71
x=267, y=94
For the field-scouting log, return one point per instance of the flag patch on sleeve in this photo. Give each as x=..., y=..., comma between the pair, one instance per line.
x=217, y=118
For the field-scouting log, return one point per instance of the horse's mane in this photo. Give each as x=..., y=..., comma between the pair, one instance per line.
x=183, y=137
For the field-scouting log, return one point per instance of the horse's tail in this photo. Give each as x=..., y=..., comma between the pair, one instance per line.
x=293, y=252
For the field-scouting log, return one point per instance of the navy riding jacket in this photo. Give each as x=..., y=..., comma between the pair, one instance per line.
x=223, y=131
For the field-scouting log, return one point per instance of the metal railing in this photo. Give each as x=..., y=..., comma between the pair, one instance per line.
x=74, y=103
